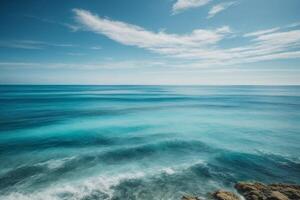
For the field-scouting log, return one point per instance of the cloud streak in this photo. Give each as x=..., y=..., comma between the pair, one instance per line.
x=49, y=21
x=182, y=5
x=201, y=47
x=219, y=8
x=111, y=64
x=31, y=44
x=159, y=42
x=261, y=32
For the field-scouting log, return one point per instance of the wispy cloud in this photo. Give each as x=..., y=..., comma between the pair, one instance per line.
x=272, y=30
x=96, y=47
x=182, y=5
x=107, y=64
x=21, y=44
x=261, y=32
x=72, y=27
x=137, y=36
x=31, y=44
x=293, y=25
x=201, y=47
x=75, y=54
x=219, y=8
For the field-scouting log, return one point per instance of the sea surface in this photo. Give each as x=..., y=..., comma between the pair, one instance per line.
x=145, y=142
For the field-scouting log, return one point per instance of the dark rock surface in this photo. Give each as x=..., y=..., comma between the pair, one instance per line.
x=225, y=195
x=259, y=191
x=189, y=198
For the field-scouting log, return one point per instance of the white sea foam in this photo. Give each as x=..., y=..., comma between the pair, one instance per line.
x=101, y=185
x=168, y=170
x=287, y=157
x=76, y=190
x=180, y=167
x=55, y=163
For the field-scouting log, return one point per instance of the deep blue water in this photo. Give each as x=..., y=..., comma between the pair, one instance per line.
x=144, y=142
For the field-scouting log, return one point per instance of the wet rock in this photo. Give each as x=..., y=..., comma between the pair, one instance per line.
x=185, y=197
x=275, y=195
x=259, y=191
x=225, y=195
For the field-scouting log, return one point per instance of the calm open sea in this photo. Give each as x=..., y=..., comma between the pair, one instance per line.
x=144, y=142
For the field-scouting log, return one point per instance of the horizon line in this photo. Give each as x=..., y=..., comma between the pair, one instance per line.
x=72, y=84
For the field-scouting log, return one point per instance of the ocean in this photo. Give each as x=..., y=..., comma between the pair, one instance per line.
x=145, y=142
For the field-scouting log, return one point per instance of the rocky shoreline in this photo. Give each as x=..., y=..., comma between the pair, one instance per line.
x=256, y=191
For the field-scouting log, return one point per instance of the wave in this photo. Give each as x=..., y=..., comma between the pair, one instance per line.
x=258, y=167
x=25, y=119
x=222, y=165
x=106, y=187
x=169, y=147
x=164, y=183
x=79, y=139
x=196, y=178
x=41, y=173
x=42, y=110
x=223, y=171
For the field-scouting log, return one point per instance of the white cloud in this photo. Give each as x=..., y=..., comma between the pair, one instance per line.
x=31, y=44
x=292, y=25
x=219, y=8
x=201, y=47
x=160, y=42
x=109, y=64
x=134, y=35
x=261, y=32
x=49, y=21
x=96, y=48
x=22, y=44
x=75, y=54
x=18, y=64
x=181, y=5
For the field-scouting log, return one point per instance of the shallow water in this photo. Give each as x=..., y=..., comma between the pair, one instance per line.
x=145, y=142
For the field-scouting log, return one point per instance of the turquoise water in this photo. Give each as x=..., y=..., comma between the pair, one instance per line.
x=144, y=142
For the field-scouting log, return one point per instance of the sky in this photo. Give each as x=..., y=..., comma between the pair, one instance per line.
x=151, y=42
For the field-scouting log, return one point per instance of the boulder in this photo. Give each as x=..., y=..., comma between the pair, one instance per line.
x=260, y=191
x=225, y=195
x=185, y=197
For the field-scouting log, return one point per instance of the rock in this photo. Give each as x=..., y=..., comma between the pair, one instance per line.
x=275, y=195
x=291, y=191
x=185, y=197
x=252, y=191
x=259, y=191
x=224, y=195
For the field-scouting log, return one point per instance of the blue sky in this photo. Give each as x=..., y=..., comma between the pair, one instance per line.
x=207, y=42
